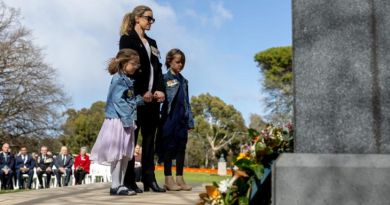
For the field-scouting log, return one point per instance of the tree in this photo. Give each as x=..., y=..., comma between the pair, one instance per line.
x=256, y=122
x=216, y=123
x=30, y=95
x=276, y=67
x=82, y=127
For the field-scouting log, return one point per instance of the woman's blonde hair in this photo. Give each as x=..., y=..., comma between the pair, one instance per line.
x=171, y=54
x=128, y=21
x=122, y=58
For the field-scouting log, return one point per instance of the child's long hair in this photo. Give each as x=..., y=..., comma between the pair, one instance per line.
x=171, y=54
x=128, y=21
x=116, y=64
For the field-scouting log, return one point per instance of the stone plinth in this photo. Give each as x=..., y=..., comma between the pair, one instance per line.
x=345, y=179
x=222, y=168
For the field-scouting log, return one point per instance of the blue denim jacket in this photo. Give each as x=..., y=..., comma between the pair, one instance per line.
x=121, y=101
x=170, y=93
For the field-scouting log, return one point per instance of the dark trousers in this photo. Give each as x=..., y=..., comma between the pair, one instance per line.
x=79, y=176
x=138, y=174
x=19, y=174
x=48, y=177
x=59, y=174
x=169, y=155
x=9, y=178
x=148, y=117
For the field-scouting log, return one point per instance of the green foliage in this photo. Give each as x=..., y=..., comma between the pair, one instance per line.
x=217, y=125
x=276, y=67
x=207, y=108
x=82, y=127
x=256, y=122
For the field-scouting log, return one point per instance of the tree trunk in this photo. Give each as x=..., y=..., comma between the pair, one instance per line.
x=213, y=159
x=207, y=160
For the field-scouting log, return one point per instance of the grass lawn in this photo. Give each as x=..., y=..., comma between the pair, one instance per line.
x=193, y=177
x=12, y=191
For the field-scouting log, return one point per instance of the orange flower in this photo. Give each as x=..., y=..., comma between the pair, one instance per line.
x=241, y=173
x=255, y=140
x=213, y=192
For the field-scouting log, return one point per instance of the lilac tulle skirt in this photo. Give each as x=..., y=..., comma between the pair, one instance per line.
x=114, y=142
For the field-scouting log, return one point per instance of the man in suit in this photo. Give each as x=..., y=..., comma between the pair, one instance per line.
x=7, y=162
x=64, y=165
x=24, y=164
x=44, y=165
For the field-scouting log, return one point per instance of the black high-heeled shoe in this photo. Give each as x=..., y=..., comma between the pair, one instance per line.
x=154, y=186
x=135, y=188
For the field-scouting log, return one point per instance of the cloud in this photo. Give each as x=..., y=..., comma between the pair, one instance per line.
x=218, y=15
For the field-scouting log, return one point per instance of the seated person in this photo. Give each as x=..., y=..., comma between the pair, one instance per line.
x=24, y=164
x=7, y=163
x=64, y=165
x=137, y=164
x=81, y=165
x=44, y=165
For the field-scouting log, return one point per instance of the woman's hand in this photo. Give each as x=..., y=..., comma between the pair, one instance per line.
x=190, y=129
x=160, y=96
x=148, y=97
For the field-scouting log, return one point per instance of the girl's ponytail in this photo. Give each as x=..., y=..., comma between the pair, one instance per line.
x=116, y=64
x=113, y=66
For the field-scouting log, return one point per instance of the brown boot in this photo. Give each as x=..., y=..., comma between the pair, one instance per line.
x=170, y=184
x=180, y=181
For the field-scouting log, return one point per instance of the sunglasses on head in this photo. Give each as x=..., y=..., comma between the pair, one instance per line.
x=149, y=19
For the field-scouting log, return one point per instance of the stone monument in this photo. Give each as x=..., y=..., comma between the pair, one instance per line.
x=341, y=63
x=222, y=166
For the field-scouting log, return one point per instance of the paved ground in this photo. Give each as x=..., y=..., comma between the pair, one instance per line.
x=99, y=194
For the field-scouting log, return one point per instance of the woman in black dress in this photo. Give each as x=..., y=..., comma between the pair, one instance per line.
x=149, y=83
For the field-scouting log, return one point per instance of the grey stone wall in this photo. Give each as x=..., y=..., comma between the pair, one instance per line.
x=341, y=61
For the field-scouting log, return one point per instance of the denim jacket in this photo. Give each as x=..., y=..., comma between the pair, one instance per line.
x=170, y=93
x=121, y=101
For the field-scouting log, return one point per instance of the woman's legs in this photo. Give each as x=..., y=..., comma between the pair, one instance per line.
x=79, y=176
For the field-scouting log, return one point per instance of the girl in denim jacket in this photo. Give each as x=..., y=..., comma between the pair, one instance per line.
x=177, y=120
x=115, y=144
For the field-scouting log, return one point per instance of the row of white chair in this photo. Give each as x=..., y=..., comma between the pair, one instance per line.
x=97, y=173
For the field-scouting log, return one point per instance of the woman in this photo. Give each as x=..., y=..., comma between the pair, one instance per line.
x=138, y=164
x=81, y=166
x=149, y=83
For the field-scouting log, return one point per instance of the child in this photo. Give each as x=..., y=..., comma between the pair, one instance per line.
x=177, y=120
x=115, y=144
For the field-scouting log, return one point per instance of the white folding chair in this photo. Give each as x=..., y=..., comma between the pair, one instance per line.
x=97, y=170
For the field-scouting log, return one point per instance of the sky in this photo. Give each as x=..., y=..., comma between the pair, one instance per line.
x=219, y=39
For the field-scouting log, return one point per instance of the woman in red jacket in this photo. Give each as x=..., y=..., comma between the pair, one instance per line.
x=81, y=165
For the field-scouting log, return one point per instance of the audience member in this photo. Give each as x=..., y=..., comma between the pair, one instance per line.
x=64, y=165
x=7, y=163
x=24, y=164
x=44, y=165
x=81, y=165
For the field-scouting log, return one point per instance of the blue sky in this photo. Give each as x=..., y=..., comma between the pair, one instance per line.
x=219, y=38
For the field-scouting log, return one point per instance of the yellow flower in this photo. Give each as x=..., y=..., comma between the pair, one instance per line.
x=242, y=156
